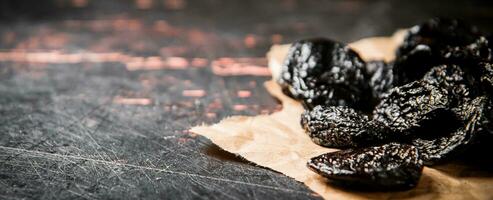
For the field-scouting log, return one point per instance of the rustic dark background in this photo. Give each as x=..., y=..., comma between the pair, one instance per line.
x=96, y=96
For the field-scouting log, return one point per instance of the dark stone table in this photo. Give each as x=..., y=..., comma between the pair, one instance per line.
x=96, y=97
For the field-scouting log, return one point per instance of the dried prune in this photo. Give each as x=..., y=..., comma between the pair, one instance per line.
x=421, y=112
x=325, y=72
x=475, y=119
x=439, y=41
x=340, y=127
x=435, y=99
x=438, y=33
x=390, y=166
x=402, y=112
x=404, y=109
x=478, y=51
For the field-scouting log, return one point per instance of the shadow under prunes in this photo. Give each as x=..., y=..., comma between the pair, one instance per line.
x=439, y=123
x=469, y=160
x=425, y=187
x=363, y=187
x=474, y=161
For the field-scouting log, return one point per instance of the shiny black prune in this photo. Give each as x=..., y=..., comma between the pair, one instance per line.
x=404, y=109
x=472, y=54
x=401, y=110
x=438, y=33
x=386, y=167
x=420, y=112
x=325, y=72
x=435, y=99
x=439, y=41
x=340, y=127
x=475, y=118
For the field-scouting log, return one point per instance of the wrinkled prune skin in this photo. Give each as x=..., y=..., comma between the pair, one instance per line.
x=436, y=150
x=401, y=110
x=387, y=167
x=419, y=113
x=325, y=72
x=475, y=118
x=438, y=33
x=404, y=109
x=340, y=127
x=435, y=100
x=439, y=41
x=381, y=77
x=470, y=55
x=452, y=81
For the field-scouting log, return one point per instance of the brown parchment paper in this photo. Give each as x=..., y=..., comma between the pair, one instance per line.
x=278, y=142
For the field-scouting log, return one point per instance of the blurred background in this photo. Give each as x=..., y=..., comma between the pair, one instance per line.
x=239, y=27
x=97, y=96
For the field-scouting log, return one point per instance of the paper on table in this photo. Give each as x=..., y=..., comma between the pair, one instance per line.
x=278, y=142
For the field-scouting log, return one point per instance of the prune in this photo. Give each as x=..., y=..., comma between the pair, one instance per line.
x=439, y=41
x=390, y=166
x=438, y=33
x=435, y=99
x=478, y=51
x=475, y=119
x=421, y=111
x=419, y=105
x=404, y=109
x=325, y=72
x=340, y=127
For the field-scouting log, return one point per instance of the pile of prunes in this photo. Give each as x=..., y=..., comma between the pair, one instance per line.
x=431, y=104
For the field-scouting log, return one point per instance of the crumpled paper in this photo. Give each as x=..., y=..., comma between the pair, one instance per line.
x=278, y=142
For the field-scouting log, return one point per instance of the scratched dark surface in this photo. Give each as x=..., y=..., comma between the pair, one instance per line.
x=96, y=97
